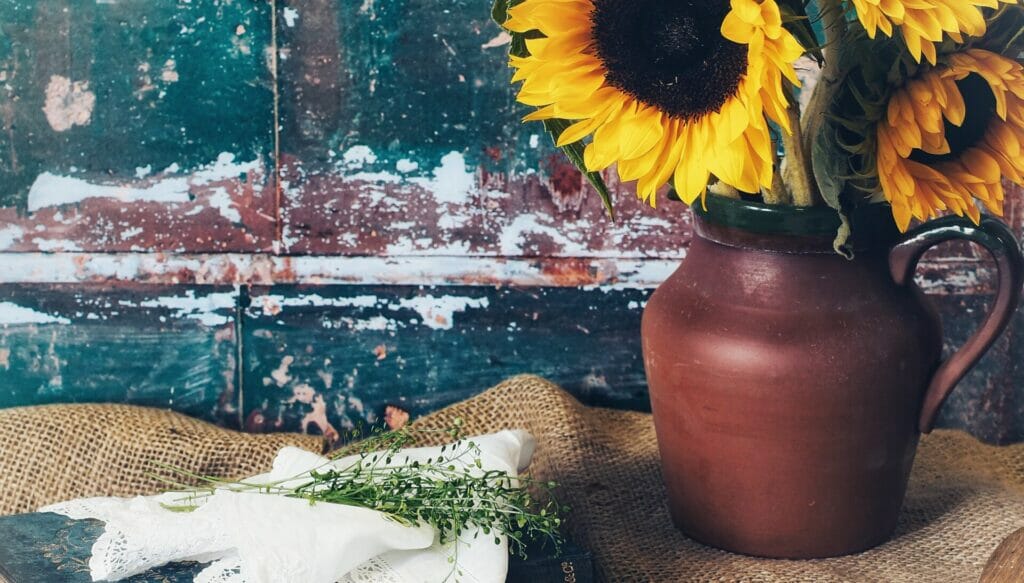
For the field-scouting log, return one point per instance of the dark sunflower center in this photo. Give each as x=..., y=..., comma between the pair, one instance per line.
x=981, y=110
x=669, y=54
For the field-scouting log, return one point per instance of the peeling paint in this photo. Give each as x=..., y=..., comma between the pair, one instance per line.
x=439, y=312
x=10, y=235
x=434, y=312
x=358, y=156
x=280, y=374
x=258, y=269
x=221, y=201
x=395, y=417
x=290, y=16
x=11, y=314
x=503, y=38
x=49, y=245
x=513, y=237
x=318, y=417
x=452, y=181
x=406, y=165
x=68, y=103
x=272, y=304
x=50, y=190
x=203, y=308
x=168, y=74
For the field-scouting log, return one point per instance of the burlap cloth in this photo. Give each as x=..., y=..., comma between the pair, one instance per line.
x=964, y=496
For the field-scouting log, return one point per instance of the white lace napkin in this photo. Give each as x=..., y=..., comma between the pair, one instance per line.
x=259, y=538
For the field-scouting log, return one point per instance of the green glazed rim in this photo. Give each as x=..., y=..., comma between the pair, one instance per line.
x=817, y=221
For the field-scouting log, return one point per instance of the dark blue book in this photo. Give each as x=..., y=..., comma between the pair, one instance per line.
x=45, y=548
x=49, y=548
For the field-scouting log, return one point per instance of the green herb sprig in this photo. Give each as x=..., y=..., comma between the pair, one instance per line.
x=451, y=491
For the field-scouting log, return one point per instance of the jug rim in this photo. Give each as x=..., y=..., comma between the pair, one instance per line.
x=750, y=224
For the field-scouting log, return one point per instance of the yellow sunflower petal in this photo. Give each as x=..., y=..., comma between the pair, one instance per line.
x=915, y=121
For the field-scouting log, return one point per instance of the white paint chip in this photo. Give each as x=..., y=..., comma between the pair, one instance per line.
x=10, y=235
x=503, y=38
x=272, y=304
x=439, y=312
x=50, y=245
x=168, y=74
x=358, y=156
x=452, y=182
x=290, y=16
x=203, y=308
x=514, y=235
x=68, y=103
x=406, y=165
x=11, y=313
x=221, y=201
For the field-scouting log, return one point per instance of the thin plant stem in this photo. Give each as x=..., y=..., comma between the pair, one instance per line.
x=834, y=17
x=798, y=174
x=778, y=193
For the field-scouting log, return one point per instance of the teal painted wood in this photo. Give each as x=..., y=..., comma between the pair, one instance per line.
x=406, y=79
x=327, y=359
x=161, y=347
x=170, y=101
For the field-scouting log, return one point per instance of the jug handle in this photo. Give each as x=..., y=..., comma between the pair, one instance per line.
x=998, y=239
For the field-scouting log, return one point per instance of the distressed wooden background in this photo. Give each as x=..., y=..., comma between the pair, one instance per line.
x=285, y=215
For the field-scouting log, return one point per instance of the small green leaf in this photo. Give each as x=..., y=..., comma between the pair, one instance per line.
x=796, y=21
x=828, y=163
x=499, y=12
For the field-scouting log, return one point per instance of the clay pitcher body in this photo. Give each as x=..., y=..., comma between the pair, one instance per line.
x=790, y=384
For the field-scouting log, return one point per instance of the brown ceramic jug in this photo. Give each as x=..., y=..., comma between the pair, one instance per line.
x=790, y=385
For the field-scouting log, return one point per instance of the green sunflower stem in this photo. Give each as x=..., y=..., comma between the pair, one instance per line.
x=778, y=193
x=834, y=17
x=797, y=172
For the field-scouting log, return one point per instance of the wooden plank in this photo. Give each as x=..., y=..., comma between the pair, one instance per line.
x=324, y=359
x=1006, y=565
x=168, y=347
x=136, y=126
x=401, y=137
x=988, y=402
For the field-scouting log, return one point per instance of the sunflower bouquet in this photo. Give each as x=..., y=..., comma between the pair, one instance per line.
x=914, y=103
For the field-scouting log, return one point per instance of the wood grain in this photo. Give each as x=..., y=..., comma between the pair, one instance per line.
x=1007, y=562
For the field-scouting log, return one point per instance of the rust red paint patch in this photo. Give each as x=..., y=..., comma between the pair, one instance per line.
x=229, y=215
x=328, y=212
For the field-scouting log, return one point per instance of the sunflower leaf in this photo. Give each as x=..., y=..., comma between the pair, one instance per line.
x=827, y=164
x=499, y=12
x=1005, y=31
x=796, y=21
x=574, y=152
x=827, y=161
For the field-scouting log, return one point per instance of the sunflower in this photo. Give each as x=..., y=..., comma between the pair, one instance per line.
x=950, y=135
x=666, y=88
x=923, y=22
